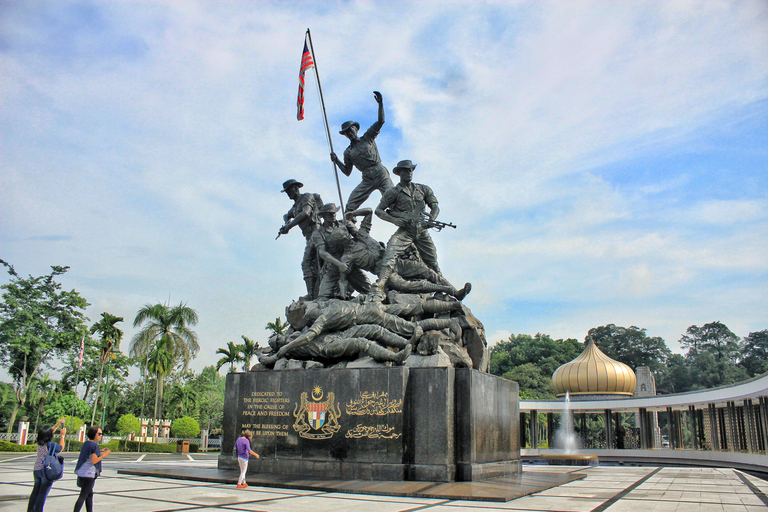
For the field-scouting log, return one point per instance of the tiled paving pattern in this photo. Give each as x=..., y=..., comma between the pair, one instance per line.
x=613, y=489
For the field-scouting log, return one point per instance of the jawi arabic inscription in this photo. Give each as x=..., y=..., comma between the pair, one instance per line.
x=317, y=415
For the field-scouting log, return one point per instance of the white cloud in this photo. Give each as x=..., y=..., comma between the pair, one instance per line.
x=156, y=143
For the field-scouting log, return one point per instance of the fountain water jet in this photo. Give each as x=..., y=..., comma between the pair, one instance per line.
x=567, y=441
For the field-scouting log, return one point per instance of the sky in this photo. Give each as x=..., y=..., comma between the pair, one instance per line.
x=605, y=162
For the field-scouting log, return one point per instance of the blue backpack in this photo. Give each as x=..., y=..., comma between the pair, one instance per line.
x=53, y=465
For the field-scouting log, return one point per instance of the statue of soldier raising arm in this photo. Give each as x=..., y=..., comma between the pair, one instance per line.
x=363, y=154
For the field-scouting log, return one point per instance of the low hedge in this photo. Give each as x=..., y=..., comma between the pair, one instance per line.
x=5, y=446
x=133, y=446
x=74, y=446
x=115, y=445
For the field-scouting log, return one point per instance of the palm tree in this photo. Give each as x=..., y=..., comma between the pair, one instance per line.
x=160, y=362
x=110, y=340
x=43, y=387
x=166, y=330
x=277, y=327
x=232, y=356
x=247, y=349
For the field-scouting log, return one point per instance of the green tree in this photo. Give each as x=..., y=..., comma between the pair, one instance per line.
x=43, y=387
x=711, y=358
x=166, y=336
x=208, y=388
x=276, y=327
x=675, y=377
x=533, y=384
x=232, y=356
x=110, y=339
x=541, y=353
x=62, y=405
x=160, y=362
x=38, y=320
x=754, y=353
x=128, y=424
x=247, y=350
x=713, y=337
x=631, y=346
x=185, y=427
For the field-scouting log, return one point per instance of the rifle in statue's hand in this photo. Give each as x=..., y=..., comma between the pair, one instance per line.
x=420, y=220
x=439, y=225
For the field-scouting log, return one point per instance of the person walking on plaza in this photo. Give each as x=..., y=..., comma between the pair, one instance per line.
x=243, y=446
x=89, y=467
x=44, y=445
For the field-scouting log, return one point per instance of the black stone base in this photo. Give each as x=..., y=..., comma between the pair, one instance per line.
x=395, y=424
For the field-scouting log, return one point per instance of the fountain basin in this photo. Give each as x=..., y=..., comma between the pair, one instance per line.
x=570, y=459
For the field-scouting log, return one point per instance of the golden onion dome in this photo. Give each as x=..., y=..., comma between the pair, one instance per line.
x=594, y=374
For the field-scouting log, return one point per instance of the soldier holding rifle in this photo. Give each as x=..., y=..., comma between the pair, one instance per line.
x=303, y=214
x=403, y=206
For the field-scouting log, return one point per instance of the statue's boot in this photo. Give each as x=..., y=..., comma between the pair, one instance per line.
x=379, y=353
x=417, y=332
x=460, y=294
x=401, y=356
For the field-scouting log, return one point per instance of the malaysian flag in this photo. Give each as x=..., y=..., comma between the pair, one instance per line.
x=306, y=63
x=80, y=357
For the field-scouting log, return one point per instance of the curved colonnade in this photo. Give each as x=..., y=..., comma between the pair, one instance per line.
x=724, y=427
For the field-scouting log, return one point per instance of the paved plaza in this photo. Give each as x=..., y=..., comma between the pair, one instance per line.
x=606, y=488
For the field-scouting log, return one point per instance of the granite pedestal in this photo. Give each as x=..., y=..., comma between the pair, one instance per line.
x=398, y=423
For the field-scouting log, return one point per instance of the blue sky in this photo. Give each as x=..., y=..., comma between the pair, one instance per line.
x=605, y=162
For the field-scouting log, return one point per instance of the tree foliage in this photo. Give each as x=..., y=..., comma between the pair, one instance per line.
x=631, y=346
x=533, y=359
x=166, y=339
x=247, y=350
x=754, y=353
x=128, y=424
x=38, y=320
x=110, y=340
x=185, y=427
x=232, y=356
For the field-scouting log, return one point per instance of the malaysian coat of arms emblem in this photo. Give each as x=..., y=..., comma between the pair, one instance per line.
x=317, y=419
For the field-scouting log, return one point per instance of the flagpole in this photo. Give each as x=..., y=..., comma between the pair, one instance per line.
x=325, y=117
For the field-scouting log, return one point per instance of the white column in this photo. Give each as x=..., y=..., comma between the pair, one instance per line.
x=23, y=432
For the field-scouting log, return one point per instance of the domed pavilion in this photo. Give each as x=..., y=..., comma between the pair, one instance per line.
x=594, y=376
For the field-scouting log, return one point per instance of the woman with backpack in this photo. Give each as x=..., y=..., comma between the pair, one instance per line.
x=89, y=467
x=44, y=446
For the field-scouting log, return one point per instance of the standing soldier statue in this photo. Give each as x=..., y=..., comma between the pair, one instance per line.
x=303, y=213
x=363, y=154
x=404, y=207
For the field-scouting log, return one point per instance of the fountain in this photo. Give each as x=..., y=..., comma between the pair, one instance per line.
x=567, y=443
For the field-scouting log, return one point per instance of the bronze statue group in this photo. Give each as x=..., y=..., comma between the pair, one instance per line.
x=410, y=308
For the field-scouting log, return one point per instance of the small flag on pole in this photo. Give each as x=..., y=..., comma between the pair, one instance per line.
x=80, y=357
x=306, y=63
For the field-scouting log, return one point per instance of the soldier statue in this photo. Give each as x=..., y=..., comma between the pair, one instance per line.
x=303, y=213
x=363, y=154
x=404, y=207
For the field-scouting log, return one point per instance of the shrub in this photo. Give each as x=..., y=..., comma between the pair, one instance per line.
x=5, y=446
x=185, y=427
x=133, y=446
x=113, y=445
x=128, y=424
